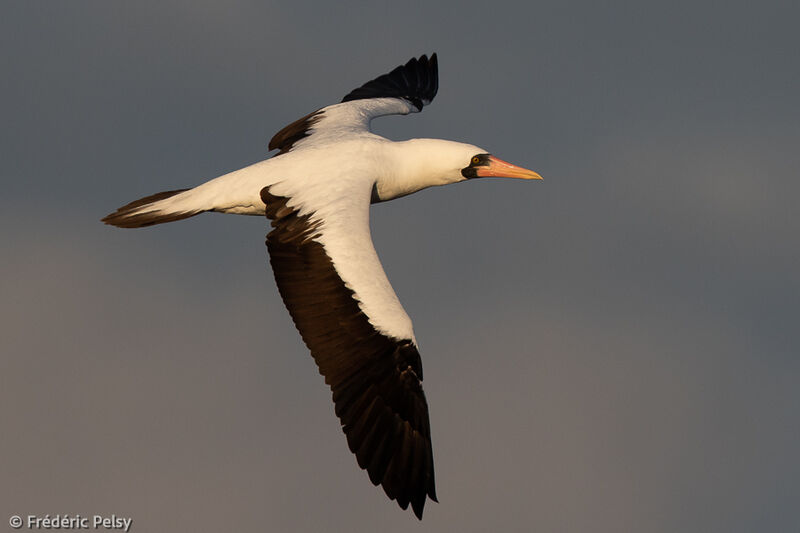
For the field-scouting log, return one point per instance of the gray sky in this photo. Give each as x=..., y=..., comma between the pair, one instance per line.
x=614, y=348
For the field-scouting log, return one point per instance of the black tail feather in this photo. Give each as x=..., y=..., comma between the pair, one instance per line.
x=127, y=216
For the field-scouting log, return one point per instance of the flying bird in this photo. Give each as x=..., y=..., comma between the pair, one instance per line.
x=317, y=190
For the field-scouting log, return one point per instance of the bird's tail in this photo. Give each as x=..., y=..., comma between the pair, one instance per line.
x=157, y=208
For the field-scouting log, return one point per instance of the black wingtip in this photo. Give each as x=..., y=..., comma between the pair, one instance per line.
x=416, y=82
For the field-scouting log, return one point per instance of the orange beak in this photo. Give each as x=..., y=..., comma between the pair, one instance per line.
x=501, y=169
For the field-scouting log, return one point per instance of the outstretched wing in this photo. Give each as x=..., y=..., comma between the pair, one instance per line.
x=338, y=295
x=406, y=89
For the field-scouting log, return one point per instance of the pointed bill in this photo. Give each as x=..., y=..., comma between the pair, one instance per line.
x=502, y=169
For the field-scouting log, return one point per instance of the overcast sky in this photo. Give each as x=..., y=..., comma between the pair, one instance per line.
x=614, y=348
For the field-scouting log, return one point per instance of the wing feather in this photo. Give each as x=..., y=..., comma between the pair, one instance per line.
x=416, y=82
x=375, y=378
x=406, y=89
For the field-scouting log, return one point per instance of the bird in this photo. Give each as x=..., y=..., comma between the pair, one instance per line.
x=317, y=191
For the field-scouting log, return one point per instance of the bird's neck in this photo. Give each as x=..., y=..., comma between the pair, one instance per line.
x=417, y=164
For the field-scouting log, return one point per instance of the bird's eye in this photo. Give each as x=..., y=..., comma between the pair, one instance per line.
x=476, y=160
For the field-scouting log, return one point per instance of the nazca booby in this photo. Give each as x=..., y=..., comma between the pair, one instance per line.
x=317, y=191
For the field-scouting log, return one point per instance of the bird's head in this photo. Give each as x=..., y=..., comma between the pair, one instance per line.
x=445, y=162
x=421, y=163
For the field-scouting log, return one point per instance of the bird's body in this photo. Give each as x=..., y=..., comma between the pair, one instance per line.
x=317, y=191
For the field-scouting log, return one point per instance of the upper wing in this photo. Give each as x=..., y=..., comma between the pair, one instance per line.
x=337, y=293
x=406, y=89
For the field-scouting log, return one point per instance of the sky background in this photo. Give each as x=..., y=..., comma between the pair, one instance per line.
x=614, y=348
